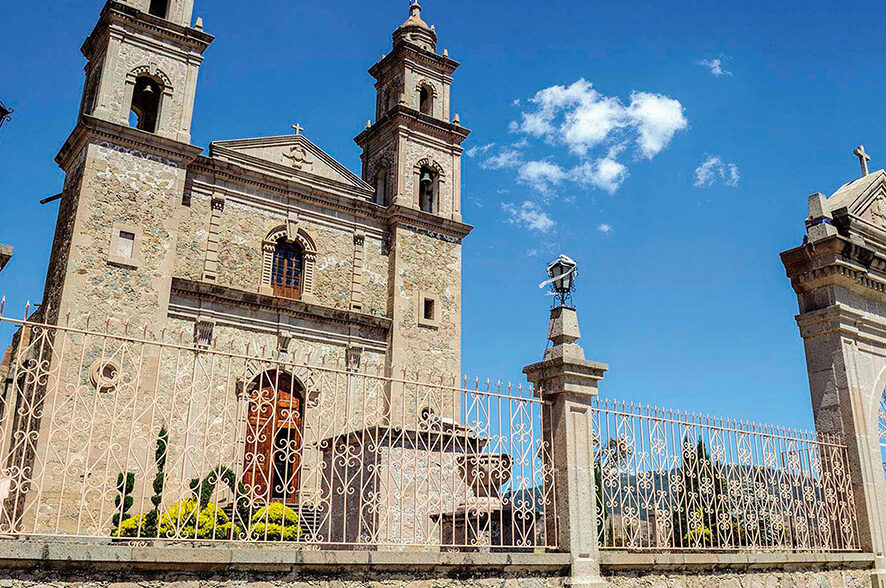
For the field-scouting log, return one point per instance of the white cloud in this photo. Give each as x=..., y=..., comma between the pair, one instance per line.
x=541, y=175
x=529, y=215
x=658, y=118
x=505, y=158
x=714, y=169
x=605, y=228
x=605, y=174
x=583, y=119
x=479, y=150
x=716, y=67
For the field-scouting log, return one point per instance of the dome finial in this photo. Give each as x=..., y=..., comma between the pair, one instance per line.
x=415, y=15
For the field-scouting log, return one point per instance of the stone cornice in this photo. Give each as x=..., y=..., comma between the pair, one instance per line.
x=840, y=318
x=836, y=260
x=405, y=49
x=89, y=128
x=390, y=216
x=250, y=164
x=116, y=13
x=403, y=116
x=234, y=148
x=435, y=225
x=296, y=308
x=228, y=171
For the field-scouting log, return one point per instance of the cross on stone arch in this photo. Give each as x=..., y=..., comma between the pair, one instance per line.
x=863, y=158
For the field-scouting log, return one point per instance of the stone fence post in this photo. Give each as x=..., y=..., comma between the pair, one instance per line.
x=569, y=382
x=839, y=276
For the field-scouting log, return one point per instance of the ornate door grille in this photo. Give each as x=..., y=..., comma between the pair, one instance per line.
x=273, y=441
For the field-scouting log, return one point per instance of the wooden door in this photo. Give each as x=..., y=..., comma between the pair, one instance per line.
x=273, y=445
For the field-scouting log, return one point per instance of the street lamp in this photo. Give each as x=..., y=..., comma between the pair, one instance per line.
x=562, y=272
x=4, y=113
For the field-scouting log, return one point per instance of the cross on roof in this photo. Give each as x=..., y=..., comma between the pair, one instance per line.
x=297, y=128
x=863, y=158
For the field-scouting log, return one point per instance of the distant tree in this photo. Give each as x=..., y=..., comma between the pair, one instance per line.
x=700, y=494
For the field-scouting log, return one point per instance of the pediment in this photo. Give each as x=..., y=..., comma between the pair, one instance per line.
x=291, y=156
x=864, y=198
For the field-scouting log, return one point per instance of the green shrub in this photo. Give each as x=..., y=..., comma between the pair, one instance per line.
x=275, y=522
x=186, y=520
x=132, y=527
x=123, y=501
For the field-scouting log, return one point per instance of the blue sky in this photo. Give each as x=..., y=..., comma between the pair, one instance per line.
x=590, y=123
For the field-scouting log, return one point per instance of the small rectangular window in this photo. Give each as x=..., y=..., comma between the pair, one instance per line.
x=125, y=249
x=125, y=244
x=429, y=309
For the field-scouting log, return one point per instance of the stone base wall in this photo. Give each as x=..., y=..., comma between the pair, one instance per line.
x=11, y=578
x=746, y=579
x=64, y=564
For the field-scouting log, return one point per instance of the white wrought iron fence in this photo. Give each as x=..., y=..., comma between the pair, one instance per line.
x=119, y=435
x=669, y=480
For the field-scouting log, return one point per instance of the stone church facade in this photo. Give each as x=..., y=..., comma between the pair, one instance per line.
x=269, y=240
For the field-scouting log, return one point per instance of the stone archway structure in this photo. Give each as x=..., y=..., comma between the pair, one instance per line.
x=839, y=276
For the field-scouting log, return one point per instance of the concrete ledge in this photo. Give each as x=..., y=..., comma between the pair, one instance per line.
x=105, y=555
x=57, y=553
x=611, y=561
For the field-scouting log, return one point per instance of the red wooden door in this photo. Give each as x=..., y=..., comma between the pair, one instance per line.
x=273, y=445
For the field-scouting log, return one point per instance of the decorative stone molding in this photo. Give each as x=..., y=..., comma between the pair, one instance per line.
x=151, y=70
x=354, y=357
x=284, y=339
x=210, y=264
x=290, y=232
x=203, y=332
x=358, y=278
x=425, y=83
x=105, y=375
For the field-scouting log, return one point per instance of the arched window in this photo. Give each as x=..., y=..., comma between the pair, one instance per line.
x=425, y=101
x=427, y=190
x=159, y=8
x=393, y=96
x=287, y=274
x=145, y=108
x=381, y=187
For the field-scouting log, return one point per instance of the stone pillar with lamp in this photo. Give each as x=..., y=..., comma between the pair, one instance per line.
x=569, y=382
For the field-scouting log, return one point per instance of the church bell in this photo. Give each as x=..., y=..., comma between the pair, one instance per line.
x=426, y=178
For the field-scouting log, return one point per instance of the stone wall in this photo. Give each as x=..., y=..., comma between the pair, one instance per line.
x=67, y=565
x=244, y=226
x=737, y=579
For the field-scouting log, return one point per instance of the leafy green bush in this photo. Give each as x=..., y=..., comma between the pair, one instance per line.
x=186, y=520
x=132, y=527
x=275, y=522
x=123, y=501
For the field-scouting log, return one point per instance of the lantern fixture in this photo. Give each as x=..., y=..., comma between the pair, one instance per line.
x=4, y=113
x=562, y=273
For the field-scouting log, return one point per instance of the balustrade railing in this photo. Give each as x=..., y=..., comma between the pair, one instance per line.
x=108, y=433
x=670, y=480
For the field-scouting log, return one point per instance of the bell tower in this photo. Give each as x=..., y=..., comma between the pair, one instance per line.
x=412, y=155
x=125, y=162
